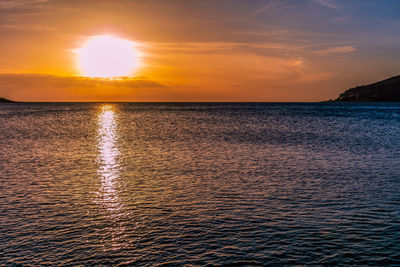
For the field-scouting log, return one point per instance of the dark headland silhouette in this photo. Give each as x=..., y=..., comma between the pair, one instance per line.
x=384, y=91
x=4, y=100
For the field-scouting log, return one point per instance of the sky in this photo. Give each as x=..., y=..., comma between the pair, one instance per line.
x=204, y=50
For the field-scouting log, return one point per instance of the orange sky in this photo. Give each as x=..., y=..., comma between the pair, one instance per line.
x=200, y=50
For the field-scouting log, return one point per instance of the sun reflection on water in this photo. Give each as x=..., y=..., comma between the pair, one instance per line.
x=109, y=174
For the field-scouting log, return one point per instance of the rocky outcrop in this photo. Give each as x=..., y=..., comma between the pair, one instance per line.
x=4, y=100
x=384, y=91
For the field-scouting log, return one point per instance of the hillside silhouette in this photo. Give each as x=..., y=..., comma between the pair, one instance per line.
x=4, y=100
x=384, y=91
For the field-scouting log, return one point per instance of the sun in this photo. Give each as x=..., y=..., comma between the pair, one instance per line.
x=105, y=56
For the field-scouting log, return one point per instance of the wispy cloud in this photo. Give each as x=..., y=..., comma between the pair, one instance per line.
x=327, y=3
x=52, y=87
x=270, y=5
x=76, y=82
x=337, y=50
x=10, y=4
x=27, y=27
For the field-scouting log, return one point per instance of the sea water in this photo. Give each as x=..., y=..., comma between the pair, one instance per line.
x=199, y=184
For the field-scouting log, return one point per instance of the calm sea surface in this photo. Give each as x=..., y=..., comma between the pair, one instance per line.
x=199, y=184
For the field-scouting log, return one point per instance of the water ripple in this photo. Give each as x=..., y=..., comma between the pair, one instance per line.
x=199, y=184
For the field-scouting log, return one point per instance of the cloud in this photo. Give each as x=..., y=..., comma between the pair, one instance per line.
x=68, y=81
x=11, y=4
x=24, y=27
x=270, y=5
x=327, y=3
x=43, y=87
x=337, y=50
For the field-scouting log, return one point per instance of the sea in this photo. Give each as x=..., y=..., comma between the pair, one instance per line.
x=199, y=184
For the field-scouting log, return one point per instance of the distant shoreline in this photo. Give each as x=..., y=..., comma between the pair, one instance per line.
x=5, y=101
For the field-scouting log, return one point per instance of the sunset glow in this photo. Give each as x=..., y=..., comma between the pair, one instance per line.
x=199, y=132
x=106, y=56
x=194, y=51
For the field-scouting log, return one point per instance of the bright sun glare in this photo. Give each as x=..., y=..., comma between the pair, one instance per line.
x=105, y=56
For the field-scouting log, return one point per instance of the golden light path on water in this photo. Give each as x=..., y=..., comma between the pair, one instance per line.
x=109, y=174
